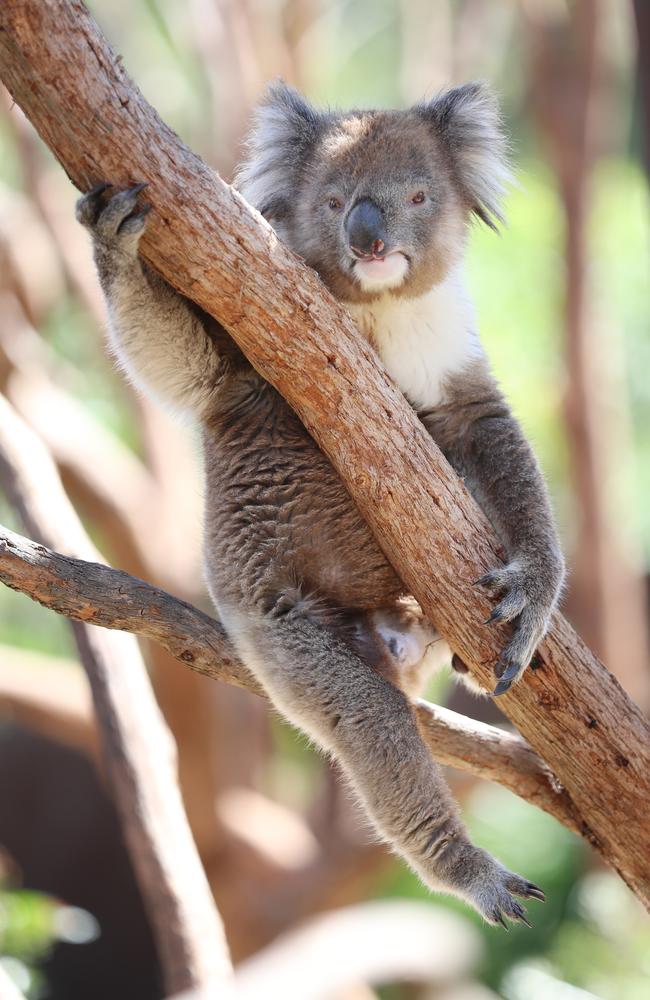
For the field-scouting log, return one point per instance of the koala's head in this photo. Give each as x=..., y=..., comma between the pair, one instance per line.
x=377, y=201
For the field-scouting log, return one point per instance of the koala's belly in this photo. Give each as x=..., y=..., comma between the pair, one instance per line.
x=278, y=517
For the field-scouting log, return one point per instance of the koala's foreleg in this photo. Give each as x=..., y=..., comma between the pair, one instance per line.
x=162, y=343
x=367, y=724
x=485, y=444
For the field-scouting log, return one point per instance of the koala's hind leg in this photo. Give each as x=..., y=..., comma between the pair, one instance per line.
x=163, y=344
x=352, y=711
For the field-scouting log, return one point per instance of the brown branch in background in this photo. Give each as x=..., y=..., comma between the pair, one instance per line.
x=213, y=248
x=48, y=199
x=607, y=592
x=137, y=523
x=138, y=750
x=222, y=39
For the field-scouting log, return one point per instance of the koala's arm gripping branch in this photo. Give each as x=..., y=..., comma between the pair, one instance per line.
x=213, y=248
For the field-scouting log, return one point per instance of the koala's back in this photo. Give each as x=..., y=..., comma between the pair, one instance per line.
x=278, y=519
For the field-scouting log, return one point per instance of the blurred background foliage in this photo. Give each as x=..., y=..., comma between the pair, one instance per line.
x=567, y=332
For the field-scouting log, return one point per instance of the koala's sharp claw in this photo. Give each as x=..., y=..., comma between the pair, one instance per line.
x=134, y=223
x=484, y=581
x=519, y=913
x=535, y=892
x=499, y=888
x=98, y=189
x=136, y=188
x=506, y=679
x=88, y=207
x=496, y=616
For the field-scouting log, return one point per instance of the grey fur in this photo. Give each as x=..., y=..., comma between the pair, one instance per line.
x=468, y=120
x=299, y=581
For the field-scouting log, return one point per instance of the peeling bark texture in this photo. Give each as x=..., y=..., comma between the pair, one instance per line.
x=206, y=241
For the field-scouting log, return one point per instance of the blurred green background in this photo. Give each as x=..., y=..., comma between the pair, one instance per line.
x=568, y=76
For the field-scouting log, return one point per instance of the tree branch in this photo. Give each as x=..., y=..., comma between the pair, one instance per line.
x=205, y=240
x=94, y=593
x=139, y=752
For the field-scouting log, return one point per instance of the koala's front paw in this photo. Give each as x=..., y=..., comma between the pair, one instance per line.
x=114, y=223
x=528, y=592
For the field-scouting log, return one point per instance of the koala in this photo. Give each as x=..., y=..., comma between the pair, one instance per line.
x=379, y=203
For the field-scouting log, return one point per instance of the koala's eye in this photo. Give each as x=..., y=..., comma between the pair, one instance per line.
x=418, y=198
x=335, y=204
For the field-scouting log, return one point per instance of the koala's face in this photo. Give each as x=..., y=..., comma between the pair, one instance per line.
x=376, y=201
x=377, y=208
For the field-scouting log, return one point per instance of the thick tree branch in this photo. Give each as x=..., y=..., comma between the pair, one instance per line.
x=213, y=248
x=138, y=750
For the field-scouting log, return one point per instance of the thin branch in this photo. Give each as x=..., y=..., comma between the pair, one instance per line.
x=206, y=241
x=138, y=750
x=94, y=593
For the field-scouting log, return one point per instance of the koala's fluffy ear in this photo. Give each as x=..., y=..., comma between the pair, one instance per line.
x=468, y=122
x=284, y=129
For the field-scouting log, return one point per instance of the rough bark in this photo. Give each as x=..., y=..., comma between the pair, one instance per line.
x=138, y=751
x=206, y=241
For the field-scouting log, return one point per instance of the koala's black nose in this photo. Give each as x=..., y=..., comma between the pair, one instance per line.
x=365, y=230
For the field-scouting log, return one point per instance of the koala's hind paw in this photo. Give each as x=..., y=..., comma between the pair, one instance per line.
x=472, y=874
x=495, y=898
x=528, y=596
x=113, y=220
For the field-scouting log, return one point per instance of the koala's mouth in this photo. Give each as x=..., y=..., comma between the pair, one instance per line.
x=386, y=271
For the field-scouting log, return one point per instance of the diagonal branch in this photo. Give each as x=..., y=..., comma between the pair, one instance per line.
x=213, y=248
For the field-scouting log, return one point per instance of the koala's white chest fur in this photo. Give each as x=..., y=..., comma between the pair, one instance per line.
x=422, y=341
